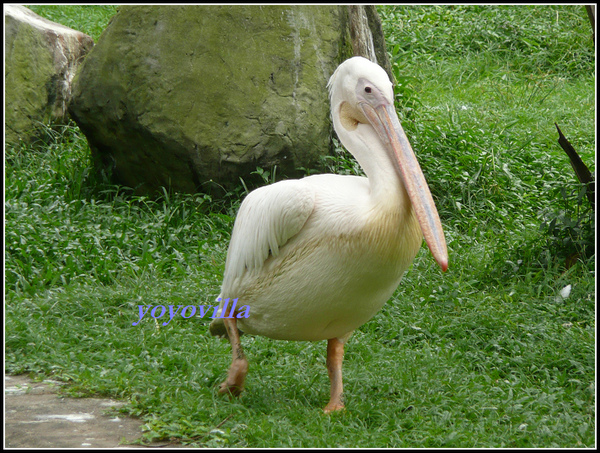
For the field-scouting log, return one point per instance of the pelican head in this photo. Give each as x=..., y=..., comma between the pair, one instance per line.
x=365, y=119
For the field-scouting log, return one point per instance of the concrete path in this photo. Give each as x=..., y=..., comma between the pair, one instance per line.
x=37, y=417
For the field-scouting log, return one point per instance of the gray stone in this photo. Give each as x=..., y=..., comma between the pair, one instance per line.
x=195, y=97
x=37, y=416
x=41, y=58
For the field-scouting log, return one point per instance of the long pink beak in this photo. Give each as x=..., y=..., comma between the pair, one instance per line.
x=385, y=121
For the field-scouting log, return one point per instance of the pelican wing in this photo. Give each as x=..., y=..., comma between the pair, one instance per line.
x=267, y=219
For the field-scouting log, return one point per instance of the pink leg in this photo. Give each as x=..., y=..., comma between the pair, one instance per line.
x=234, y=384
x=335, y=356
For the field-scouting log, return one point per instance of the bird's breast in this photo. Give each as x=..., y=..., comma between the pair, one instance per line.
x=331, y=279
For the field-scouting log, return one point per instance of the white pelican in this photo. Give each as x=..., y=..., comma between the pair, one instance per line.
x=315, y=258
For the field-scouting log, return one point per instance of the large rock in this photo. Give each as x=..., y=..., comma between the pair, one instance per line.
x=41, y=58
x=194, y=97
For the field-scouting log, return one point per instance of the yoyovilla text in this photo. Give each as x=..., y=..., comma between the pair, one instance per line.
x=190, y=310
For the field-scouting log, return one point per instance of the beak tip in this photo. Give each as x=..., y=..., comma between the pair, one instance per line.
x=443, y=263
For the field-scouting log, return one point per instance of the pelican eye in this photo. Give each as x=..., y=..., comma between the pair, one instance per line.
x=368, y=89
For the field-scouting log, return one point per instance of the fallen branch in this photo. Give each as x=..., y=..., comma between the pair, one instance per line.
x=581, y=170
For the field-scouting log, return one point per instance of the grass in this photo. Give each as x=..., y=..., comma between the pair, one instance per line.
x=89, y=19
x=487, y=355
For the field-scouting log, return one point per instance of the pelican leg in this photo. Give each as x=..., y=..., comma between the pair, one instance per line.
x=335, y=356
x=234, y=384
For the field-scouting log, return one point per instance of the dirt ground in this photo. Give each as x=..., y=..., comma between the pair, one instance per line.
x=36, y=416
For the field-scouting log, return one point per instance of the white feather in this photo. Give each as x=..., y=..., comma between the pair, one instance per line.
x=267, y=219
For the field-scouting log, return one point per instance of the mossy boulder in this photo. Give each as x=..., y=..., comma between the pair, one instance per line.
x=195, y=97
x=40, y=62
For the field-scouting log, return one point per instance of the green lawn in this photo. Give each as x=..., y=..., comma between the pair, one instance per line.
x=488, y=354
